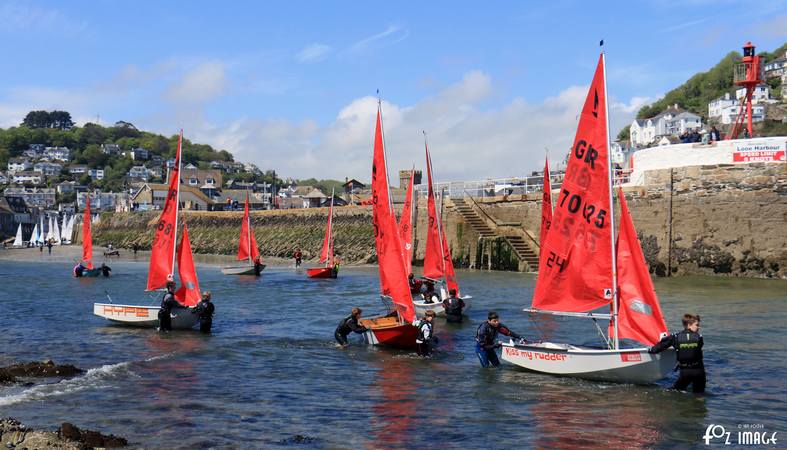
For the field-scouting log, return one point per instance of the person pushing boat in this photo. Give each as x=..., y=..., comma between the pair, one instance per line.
x=453, y=306
x=486, y=339
x=205, y=310
x=688, y=344
x=426, y=338
x=168, y=303
x=348, y=325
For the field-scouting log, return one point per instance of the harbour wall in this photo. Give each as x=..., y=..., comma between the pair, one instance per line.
x=720, y=219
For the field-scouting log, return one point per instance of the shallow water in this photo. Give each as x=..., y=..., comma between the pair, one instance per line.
x=270, y=371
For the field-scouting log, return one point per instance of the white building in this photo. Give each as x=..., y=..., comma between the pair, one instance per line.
x=104, y=201
x=110, y=149
x=18, y=165
x=730, y=113
x=139, y=154
x=777, y=68
x=40, y=197
x=138, y=172
x=48, y=169
x=28, y=178
x=58, y=153
x=716, y=106
x=761, y=94
x=77, y=170
x=672, y=122
x=96, y=174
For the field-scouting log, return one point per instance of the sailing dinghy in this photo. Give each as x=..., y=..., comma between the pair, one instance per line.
x=326, y=255
x=394, y=329
x=162, y=266
x=87, y=245
x=18, y=238
x=581, y=271
x=247, y=249
x=438, y=264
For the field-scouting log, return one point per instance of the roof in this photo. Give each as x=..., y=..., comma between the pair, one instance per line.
x=239, y=195
x=354, y=182
x=302, y=190
x=184, y=188
x=315, y=193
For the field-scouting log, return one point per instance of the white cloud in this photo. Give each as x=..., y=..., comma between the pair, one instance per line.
x=206, y=82
x=314, y=53
x=391, y=35
x=23, y=16
x=467, y=141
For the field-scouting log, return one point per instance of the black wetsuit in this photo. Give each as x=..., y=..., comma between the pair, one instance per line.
x=425, y=338
x=692, y=369
x=105, y=271
x=257, y=268
x=347, y=326
x=453, y=309
x=205, y=311
x=485, y=345
x=164, y=317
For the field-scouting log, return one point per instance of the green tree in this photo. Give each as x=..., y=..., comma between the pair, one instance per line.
x=624, y=134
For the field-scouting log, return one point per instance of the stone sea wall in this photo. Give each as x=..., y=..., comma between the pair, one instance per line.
x=720, y=220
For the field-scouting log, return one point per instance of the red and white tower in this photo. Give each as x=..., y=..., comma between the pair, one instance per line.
x=748, y=73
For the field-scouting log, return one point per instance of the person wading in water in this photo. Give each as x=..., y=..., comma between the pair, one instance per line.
x=348, y=325
x=168, y=303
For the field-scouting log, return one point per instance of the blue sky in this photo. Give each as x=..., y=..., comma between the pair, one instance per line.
x=291, y=85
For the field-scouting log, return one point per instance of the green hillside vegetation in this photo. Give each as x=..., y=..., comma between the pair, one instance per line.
x=695, y=94
x=85, y=143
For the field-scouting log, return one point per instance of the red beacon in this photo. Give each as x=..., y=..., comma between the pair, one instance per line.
x=747, y=73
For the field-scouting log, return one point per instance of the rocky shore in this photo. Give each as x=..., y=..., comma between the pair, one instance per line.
x=14, y=434
x=48, y=368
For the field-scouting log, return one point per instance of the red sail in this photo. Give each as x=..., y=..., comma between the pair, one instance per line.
x=433, y=259
x=163, y=249
x=577, y=272
x=393, y=278
x=87, y=236
x=406, y=226
x=450, y=274
x=188, y=294
x=327, y=243
x=247, y=244
x=546, y=212
x=639, y=313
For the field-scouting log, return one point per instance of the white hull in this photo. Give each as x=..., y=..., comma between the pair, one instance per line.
x=421, y=307
x=143, y=316
x=634, y=365
x=240, y=270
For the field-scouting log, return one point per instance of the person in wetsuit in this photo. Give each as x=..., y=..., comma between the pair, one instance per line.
x=205, y=310
x=415, y=285
x=348, y=325
x=105, y=269
x=298, y=257
x=688, y=343
x=426, y=337
x=486, y=336
x=258, y=265
x=453, y=306
x=168, y=303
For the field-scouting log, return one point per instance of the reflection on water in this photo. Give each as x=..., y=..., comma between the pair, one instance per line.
x=270, y=371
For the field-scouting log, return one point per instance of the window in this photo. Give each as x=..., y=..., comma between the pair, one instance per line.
x=193, y=181
x=209, y=181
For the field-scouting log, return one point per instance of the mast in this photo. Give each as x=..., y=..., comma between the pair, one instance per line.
x=248, y=223
x=385, y=152
x=438, y=216
x=616, y=342
x=329, y=261
x=177, y=205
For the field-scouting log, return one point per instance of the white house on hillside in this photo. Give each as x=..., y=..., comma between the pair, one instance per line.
x=671, y=122
x=725, y=109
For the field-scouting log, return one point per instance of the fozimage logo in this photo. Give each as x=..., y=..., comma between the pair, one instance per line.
x=747, y=434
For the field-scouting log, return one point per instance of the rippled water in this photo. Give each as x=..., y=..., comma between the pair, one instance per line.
x=270, y=370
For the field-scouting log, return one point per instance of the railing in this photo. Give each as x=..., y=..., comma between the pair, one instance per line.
x=499, y=187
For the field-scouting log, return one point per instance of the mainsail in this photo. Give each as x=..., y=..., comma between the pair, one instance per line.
x=87, y=236
x=546, y=211
x=34, y=235
x=639, y=313
x=188, y=294
x=162, y=256
x=577, y=274
x=18, y=237
x=393, y=278
x=326, y=255
x=56, y=232
x=433, y=257
x=406, y=225
x=247, y=244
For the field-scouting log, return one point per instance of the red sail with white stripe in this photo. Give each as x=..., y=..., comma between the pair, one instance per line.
x=577, y=272
x=639, y=312
x=162, y=255
x=87, y=236
x=546, y=212
x=433, y=257
x=448, y=264
x=188, y=294
x=247, y=244
x=406, y=226
x=393, y=278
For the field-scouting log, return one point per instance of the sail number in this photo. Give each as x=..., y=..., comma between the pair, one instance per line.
x=555, y=260
x=573, y=203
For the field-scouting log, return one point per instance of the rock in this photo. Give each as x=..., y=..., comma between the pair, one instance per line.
x=39, y=369
x=89, y=438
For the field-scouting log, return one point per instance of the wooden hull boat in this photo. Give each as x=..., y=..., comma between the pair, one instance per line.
x=241, y=270
x=321, y=272
x=144, y=316
x=390, y=331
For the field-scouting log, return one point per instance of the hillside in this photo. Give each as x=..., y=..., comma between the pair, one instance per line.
x=697, y=91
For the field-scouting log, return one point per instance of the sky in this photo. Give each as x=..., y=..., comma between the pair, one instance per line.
x=292, y=85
